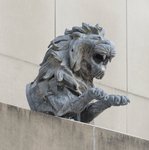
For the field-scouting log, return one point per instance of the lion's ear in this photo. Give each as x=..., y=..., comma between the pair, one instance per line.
x=77, y=65
x=77, y=51
x=75, y=55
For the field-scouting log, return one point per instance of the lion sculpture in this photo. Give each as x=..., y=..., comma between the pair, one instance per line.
x=64, y=86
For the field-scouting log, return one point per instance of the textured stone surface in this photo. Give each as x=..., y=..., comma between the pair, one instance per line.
x=110, y=140
x=14, y=75
x=137, y=117
x=114, y=118
x=138, y=47
x=26, y=28
x=23, y=129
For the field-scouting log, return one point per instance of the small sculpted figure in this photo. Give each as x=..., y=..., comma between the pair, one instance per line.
x=64, y=86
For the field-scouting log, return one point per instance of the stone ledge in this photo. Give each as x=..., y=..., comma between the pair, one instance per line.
x=22, y=129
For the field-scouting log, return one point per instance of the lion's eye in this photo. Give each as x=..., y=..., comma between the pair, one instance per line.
x=98, y=58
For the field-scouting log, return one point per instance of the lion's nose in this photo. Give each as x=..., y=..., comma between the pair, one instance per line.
x=103, y=68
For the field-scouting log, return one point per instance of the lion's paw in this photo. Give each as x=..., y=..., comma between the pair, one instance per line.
x=117, y=100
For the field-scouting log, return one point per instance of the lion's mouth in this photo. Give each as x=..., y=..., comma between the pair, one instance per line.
x=99, y=75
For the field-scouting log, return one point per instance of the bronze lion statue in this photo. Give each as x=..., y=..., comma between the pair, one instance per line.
x=64, y=86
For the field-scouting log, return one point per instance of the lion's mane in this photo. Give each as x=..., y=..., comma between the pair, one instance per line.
x=62, y=48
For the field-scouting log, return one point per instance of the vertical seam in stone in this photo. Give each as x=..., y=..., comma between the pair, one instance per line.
x=54, y=18
x=126, y=63
x=94, y=139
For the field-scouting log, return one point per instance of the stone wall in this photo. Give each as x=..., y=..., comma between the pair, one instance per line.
x=22, y=129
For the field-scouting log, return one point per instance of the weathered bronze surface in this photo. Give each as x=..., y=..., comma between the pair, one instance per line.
x=64, y=86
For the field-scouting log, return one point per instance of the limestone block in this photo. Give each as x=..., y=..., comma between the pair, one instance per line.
x=21, y=129
x=113, y=118
x=14, y=76
x=26, y=28
x=138, y=123
x=109, y=140
x=138, y=47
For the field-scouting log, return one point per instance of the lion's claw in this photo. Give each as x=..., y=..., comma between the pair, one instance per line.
x=117, y=100
x=96, y=93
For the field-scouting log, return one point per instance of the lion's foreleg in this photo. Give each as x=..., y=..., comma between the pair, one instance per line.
x=94, y=109
x=117, y=100
x=78, y=104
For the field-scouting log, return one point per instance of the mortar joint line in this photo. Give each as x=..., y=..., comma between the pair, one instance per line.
x=126, y=63
x=55, y=2
x=94, y=139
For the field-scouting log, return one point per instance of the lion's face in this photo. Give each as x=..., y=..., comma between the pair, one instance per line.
x=98, y=65
x=92, y=57
x=100, y=57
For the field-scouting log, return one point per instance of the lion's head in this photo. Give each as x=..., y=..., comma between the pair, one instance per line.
x=84, y=50
x=64, y=86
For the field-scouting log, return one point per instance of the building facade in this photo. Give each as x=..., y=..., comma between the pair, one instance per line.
x=27, y=27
